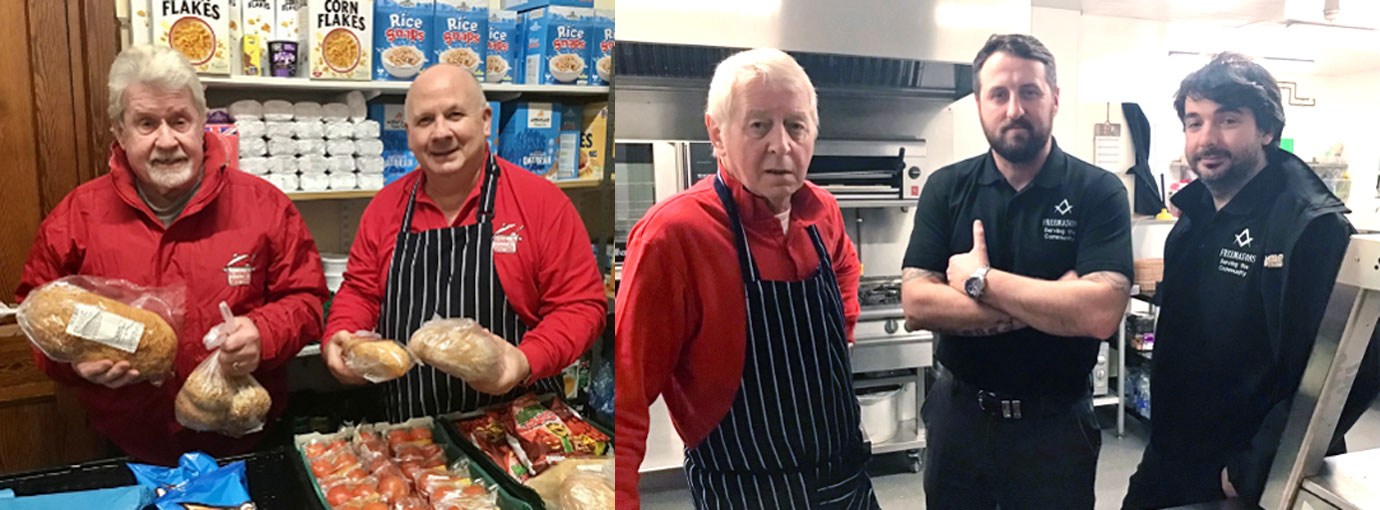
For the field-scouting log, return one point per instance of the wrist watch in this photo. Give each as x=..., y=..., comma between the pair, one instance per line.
x=977, y=283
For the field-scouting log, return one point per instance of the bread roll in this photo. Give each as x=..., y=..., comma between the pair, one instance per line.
x=47, y=312
x=211, y=401
x=585, y=491
x=459, y=347
x=377, y=360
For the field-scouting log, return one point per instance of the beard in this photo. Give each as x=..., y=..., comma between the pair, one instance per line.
x=174, y=176
x=1236, y=171
x=1017, y=146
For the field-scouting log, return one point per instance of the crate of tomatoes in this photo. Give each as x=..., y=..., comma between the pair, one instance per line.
x=405, y=466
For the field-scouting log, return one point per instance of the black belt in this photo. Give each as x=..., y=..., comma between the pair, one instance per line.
x=1012, y=407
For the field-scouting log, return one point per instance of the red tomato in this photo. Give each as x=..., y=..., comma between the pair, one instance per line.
x=421, y=434
x=398, y=436
x=474, y=490
x=365, y=491
x=375, y=506
x=338, y=495
x=440, y=493
x=314, y=450
x=393, y=487
x=344, y=460
x=356, y=474
x=321, y=468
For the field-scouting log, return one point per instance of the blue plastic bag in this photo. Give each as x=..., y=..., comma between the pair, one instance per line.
x=119, y=498
x=223, y=488
x=163, y=479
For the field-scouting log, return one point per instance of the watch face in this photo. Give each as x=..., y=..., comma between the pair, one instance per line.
x=973, y=286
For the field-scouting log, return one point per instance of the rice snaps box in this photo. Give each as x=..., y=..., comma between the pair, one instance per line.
x=593, y=140
x=599, y=39
x=556, y=46
x=401, y=37
x=531, y=132
x=464, y=32
x=199, y=29
x=568, y=142
x=256, y=20
x=338, y=39
x=504, y=48
x=525, y=5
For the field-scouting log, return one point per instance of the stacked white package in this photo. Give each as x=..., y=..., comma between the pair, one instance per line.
x=369, y=147
x=279, y=129
x=283, y=164
x=247, y=109
x=311, y=146
x=251, y=128
x=340, y=164
x=282, y=146
x=371, y=181
x=335, y=111
x=338, y=130
x=289, y=183
x=315, y=182
x=366, y=129
x=340, y=147
x=255, y=165
x=278, y=110
x=312, y=164
x=307, y=110
x=370, y=164
x=253, y=147
x=304, y=129
x=359, y=110
x=344, y=181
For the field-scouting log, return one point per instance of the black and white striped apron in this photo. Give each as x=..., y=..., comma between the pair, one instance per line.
x=447, y=272
x=792, y=438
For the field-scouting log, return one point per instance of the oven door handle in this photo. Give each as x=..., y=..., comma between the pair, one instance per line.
x=879, y=341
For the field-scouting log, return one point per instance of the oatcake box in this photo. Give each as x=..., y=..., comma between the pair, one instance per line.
x=464, y=32
x=403, y=30
x=505, y=48
x=198, y=29
x=556, y=45
x=338, y=39
x=531, y=137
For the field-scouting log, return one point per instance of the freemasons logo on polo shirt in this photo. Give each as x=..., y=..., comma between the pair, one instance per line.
x=1236, y=262
x=1061, y=228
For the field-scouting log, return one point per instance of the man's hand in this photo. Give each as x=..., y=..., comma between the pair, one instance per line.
x=963, y=265
x=334, y=354
x=1227, y=488
x=514, y=371
x=240, y=354
x=106, y=373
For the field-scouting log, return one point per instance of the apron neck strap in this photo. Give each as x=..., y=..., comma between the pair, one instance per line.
x=487, y=192
x=746, y=262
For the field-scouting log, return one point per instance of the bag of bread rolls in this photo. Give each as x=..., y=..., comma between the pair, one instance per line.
x=374, y=358
x=85, y=318
x=586, y=490
x=213, y=401
x=459, y=347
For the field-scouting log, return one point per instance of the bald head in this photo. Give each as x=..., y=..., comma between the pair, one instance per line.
x=444, y=80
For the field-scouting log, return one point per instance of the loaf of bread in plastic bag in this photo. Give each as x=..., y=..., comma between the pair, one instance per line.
x=46, y=317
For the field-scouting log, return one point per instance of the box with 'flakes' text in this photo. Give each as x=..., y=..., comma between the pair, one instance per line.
x=338, y=37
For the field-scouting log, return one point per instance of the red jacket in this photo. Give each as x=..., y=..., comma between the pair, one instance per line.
x=551, y=280
x=102, y=228
x=681, y=316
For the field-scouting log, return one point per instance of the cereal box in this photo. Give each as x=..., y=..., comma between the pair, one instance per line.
x=599, y=39
x=556, y=46
x=527, y=5
x=592, y=156
x=199, y=29
x=287, y=15
x=140, y=21
x=401, y=42
x=339, y=39
x=497, y=108
x=568, y=151
x=256, y=26
x=464, y=28
x=504, y=48
x=530, y=135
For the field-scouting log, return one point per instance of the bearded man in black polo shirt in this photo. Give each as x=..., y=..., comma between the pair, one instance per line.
x=1020, y=260
x=1248, y=271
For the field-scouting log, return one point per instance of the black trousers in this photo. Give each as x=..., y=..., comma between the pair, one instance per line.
x=1161, y=482
x=974, y=460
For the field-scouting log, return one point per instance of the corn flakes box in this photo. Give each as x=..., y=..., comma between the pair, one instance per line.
x=199, y=29
x=402, y=37
x=464, y=34
x=339, y=39
x=592, y=141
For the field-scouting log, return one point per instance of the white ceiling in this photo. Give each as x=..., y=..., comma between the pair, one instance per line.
x=1174, y=10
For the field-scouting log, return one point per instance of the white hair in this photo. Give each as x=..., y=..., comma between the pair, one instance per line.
x=766, y=64
x=157, y=66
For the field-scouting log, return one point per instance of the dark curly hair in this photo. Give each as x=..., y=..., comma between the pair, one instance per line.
x=1020, y=45
x=1234, y=81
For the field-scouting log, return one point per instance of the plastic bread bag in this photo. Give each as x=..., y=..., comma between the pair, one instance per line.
x=87, y=318
x=549, y=484
x=587, y=489
x=212, y=401
x=459, y=347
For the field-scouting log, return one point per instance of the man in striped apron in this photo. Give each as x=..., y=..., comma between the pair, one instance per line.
x=782, y=429
x=478, y=238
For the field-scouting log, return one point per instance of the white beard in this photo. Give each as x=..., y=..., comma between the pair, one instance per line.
x=168, y=178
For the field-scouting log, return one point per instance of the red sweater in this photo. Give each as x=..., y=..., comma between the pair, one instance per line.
x=681, y=317
x=102, y=228
x=551, y=281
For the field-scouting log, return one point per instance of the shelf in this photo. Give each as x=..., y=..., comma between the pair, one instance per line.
x=864, y=204
x=382, y=87
x=1105, y=400
x=899, y=380
x=910, y=436
x=579, y=183
x=1149, y=355
x=332, y=195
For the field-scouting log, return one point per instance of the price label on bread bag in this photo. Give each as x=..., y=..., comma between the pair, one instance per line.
x=91, y=323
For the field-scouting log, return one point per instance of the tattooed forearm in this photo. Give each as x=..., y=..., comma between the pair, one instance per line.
x=1116, y=280
x=1003, y=325
x=911, y=273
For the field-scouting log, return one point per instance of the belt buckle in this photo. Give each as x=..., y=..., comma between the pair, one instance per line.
x=1010, y=409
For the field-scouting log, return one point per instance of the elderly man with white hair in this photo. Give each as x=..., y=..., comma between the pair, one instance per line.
x=174, y=211
x=738, y=302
